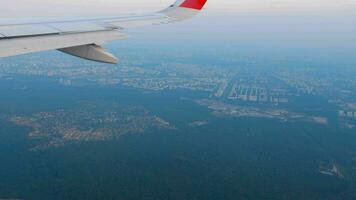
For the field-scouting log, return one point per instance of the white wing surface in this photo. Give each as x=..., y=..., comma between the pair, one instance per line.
x=84, y=37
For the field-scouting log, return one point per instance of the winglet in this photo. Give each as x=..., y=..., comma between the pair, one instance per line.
x=184, y=9
x=193, y=4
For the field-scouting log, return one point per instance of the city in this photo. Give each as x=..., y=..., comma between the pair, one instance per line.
x=265, y=90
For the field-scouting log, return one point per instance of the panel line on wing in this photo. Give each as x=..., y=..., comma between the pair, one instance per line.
x=26, y=30
x=73, y=20
x=77, y=27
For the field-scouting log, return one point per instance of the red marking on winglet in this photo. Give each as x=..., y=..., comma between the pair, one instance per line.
x=194, y=4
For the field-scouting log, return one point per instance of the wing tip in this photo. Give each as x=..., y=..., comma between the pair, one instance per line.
x=193, y=4
x=184, y=9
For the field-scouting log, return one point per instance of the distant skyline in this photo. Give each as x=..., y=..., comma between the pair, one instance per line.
x=38, y=8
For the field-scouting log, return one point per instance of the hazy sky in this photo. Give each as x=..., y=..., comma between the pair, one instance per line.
x=24, y=8
x=312, y=24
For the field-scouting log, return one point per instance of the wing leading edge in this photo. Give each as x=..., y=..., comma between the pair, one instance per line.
x=84, y=37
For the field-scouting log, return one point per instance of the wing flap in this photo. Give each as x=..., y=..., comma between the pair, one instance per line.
x=17, y=46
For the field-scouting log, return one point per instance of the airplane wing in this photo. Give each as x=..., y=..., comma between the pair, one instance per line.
x=84, y=37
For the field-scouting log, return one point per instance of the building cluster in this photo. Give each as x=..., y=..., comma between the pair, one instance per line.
x=258, y=94
x=159, y=84
x=347, y=114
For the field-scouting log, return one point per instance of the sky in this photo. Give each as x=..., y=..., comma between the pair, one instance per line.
x=44, y=8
